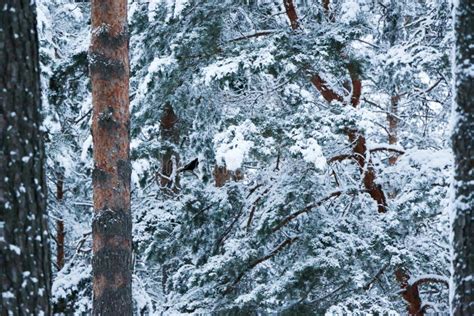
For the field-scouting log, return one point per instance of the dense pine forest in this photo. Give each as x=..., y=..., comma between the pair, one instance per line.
x=237, y=157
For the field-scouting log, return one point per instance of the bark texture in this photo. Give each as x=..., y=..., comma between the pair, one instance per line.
x=222, y=175
x=25, y=261
x=112, y=225
x=392, y=119
x=170, y=160
x=410, y=293
x=60, y=234
x=357, y=138
x=462, y=301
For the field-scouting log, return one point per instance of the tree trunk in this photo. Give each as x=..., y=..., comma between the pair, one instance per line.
x=355, y=137
x=170, y=137
x=410, y=293
x=25, y=259
x=393, y=127
x=60, y=223
x=112, y=223
x=462, y=301
x=222, y=175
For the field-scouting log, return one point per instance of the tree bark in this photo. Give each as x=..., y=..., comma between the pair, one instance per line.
x=355, y=137
x=25, y=258
x=60, y=223
x=410, y=293
x=393, y=127
x=112, y=223
x=222, y=175
x=462, y=300
x=170, y=137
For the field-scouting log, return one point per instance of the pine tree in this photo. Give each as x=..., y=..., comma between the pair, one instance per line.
x=112, y=225
x=463, y=147
x=25, y=271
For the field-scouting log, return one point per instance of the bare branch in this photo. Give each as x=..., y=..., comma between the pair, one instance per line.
x=398, y=151
x=253, y=35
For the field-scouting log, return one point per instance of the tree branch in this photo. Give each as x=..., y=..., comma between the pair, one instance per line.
x=398, y=151
x=340, y=158
x=256, y=262
x=256, y=34
x=307, y=209
x=429, y=278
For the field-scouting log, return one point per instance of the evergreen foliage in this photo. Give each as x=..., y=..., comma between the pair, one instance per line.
x=293, y=229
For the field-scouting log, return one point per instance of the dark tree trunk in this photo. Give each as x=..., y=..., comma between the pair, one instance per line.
x=112, y=224
x=60, y=223
x=462, y=301
x=25, y=262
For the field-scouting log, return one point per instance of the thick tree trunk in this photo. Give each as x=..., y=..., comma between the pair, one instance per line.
x=462, y=301
x=112, y=224
x=60, y=223
x=25, y=261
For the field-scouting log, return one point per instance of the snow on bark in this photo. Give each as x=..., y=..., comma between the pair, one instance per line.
x=462, y=294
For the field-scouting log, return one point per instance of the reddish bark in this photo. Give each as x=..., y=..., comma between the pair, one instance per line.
x=326, y=5
x=112, y=224
x=292, y=15
x=327, y=93
x=169, y=135
x=222, y=175
x=327, y=8
x=409, y=293
x=355, y=136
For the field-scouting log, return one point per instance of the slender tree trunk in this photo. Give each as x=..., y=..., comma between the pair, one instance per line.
x=112, y=224
x=170, y=137
x=462, y=301
x=25, y=259
x=393, y=126
x=60, y=223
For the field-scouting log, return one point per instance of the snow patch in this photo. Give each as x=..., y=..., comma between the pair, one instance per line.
x=232, y=146
x=311, y=152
